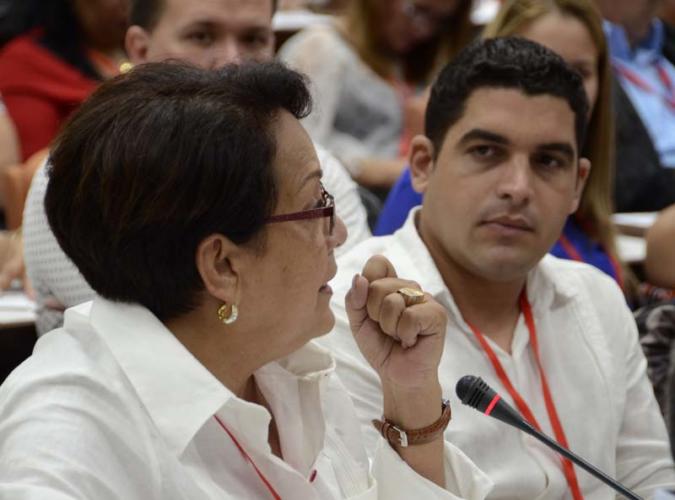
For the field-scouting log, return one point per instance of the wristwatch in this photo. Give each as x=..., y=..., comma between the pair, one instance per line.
x=404, y=438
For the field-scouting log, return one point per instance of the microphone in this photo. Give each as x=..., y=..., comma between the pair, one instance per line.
x=474, y=392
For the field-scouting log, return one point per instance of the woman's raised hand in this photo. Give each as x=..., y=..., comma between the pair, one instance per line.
x=402, y=340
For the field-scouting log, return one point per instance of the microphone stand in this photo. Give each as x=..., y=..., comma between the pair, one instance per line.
x=525, y=427
x=474, y=392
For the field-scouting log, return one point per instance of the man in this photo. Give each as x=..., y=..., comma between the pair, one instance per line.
x=500, y=170
x=643, y=56
x=209, y=33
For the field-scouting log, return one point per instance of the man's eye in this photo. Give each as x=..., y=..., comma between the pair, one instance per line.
x=550, y=162
x=483, y=152
x=201, y=37
x=257, y=40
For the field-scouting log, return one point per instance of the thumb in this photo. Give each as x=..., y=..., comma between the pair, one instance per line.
x=378, y=267
x=355, y=302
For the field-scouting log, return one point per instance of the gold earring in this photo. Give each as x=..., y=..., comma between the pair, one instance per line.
x=228, y=314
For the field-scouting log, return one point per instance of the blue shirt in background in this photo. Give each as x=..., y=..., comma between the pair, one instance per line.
x=402, y=197
x=648, y=79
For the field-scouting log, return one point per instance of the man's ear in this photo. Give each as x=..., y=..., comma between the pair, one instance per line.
x=218, y=262
x=583, y=171
x=421, y=160
x=137, y=44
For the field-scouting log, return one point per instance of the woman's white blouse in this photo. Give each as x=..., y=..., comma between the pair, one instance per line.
x=112, y=406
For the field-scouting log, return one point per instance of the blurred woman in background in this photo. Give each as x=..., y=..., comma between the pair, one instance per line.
x=369, y=71
x=573, y=29
x=55, y=56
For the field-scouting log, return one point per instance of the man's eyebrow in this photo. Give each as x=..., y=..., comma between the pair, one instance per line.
x=205, y=22
x=261, y=29
x=478, y=134
x=200, y=22
x=564, y=148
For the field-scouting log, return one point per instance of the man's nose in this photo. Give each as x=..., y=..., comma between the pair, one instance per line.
x=515, y=181
x=229, y=52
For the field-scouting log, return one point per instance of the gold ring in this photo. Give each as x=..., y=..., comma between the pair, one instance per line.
x=411, y=296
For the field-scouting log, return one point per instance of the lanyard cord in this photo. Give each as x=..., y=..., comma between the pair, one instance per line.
x=247, y=457
x=639, y=82
x=568, y=468
x=574, y=254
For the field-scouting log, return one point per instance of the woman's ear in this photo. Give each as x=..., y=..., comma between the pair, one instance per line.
x=421, y=162
x=218, y=264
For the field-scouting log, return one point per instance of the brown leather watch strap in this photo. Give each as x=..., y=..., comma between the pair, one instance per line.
x=404, y=438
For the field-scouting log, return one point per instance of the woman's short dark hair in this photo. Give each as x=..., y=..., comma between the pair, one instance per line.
x=159, y=159
x=505, y=62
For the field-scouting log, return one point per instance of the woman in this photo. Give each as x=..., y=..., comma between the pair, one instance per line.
x=383, y=55
x=572, y=28
x=190, y=200
x=60, y=51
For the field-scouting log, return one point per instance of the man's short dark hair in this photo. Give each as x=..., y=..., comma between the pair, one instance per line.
x=159, y=159
x=146, y=13
x=506, y=62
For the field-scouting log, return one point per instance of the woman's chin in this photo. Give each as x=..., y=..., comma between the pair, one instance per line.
x=327, y=323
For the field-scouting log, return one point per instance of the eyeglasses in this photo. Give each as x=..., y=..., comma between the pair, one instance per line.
x=327, y=209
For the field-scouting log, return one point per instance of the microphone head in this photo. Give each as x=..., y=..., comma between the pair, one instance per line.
x=474, y=392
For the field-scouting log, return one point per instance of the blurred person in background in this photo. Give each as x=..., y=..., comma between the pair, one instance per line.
x=369, y=72
x=209, y=34
x=59, y=52
x=643, y=55
x=573, y=29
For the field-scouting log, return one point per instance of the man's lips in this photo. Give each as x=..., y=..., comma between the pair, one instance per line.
x=509, y=222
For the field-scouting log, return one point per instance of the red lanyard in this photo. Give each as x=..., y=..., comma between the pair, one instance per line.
x=568, y=468
x=640, y=83
x=574, y=254
x=247, y=457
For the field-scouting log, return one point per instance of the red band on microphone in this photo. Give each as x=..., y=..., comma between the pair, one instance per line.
x=492, y=404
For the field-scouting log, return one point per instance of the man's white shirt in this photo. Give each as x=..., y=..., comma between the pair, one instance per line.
x=112, y=406
x=589, y=348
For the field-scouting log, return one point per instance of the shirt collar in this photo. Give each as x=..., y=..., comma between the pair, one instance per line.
x=544, y=286
x=426, y=272
x=647, y=51
x=177, y=391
